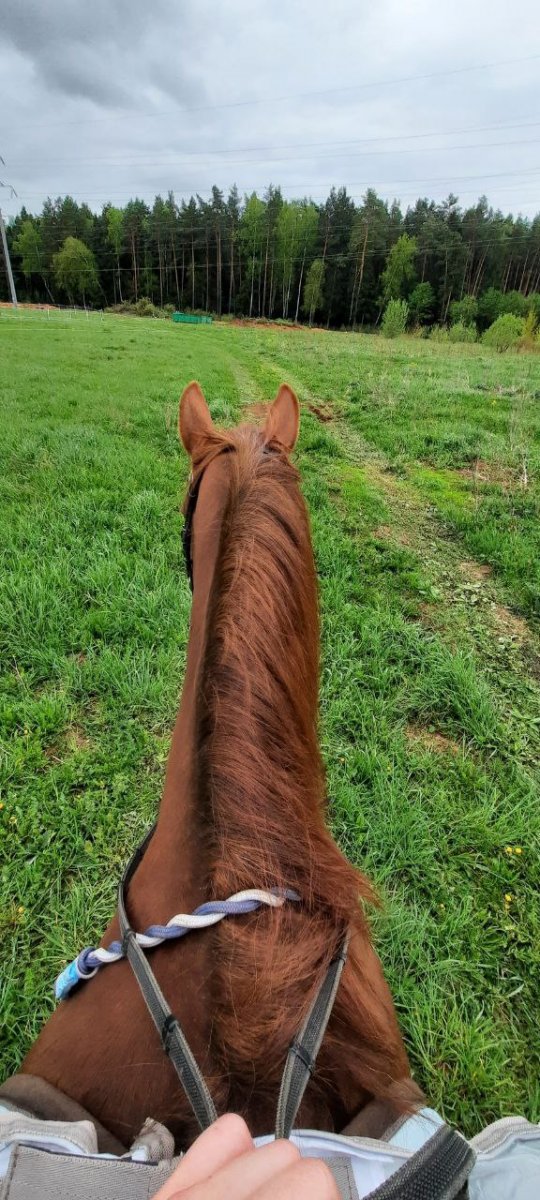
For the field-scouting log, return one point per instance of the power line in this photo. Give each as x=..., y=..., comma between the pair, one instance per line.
x=181, y=232
x=255, y=101
x=368, y=183
x=351, y=253
x=176, y=162
x=197, y=154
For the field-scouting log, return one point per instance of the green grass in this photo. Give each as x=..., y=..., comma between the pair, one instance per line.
x=431, y=659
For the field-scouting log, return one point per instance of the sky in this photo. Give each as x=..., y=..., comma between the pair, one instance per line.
x=111, y=99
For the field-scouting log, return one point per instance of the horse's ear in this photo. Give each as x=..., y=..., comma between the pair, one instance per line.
x=195, y=422
x=283, y=420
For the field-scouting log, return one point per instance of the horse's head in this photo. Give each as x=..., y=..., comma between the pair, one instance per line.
x=212, y=456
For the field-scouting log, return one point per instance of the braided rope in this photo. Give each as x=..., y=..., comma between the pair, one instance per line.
x=90, y=960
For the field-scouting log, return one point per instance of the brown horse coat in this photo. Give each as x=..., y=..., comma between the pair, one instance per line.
x=243, y=806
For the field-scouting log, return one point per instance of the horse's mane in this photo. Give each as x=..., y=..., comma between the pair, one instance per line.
x=261, y=788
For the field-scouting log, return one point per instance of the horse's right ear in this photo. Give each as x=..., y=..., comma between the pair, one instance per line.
x=283, y=419
x=195, y=422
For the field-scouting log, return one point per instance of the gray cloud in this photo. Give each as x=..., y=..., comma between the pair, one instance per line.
x=32, y=25
x=79, y=71
x=108, y=100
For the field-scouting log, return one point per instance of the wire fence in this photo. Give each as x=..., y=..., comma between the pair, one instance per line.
x=63, y=315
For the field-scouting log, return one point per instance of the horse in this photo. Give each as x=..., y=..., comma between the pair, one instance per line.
x=243, y=806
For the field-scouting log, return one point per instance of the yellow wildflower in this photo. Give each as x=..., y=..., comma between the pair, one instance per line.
x=508, y=897
x=509, y=849
x=518, y=850
x=20, y=908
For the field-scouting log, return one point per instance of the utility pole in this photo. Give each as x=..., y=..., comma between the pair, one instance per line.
x=3, y=234
x=8, y=261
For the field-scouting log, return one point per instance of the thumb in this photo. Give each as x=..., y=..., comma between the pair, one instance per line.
x=225, y=1140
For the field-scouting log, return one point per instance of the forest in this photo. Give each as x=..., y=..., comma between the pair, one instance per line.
x=335, y=264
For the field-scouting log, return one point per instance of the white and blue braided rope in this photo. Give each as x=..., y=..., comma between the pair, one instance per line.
x=90, y=960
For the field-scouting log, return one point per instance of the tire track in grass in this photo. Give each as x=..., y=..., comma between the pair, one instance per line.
x=463, y=604
x=464, y=599
x=416, y=802
x=250, y=392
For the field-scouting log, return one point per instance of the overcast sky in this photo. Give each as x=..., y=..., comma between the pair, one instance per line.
x=110, y=99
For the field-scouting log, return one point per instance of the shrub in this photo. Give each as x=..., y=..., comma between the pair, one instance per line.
x=421, y=302
x=515, y=303
x=439, y=333
x=462, y=333
x=494, y=303
x=489, y=307
x=504, y=333
x=464, y=311
x=533, y=301
x=529, y=339
x=395, y=317
x=144, y=307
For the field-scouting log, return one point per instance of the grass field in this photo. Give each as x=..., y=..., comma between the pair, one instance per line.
x=421, y=467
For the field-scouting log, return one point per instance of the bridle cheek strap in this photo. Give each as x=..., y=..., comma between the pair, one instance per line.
x=170, y=1031
x=191, y=504
x=302, y=1053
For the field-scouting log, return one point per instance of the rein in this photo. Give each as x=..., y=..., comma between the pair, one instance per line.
x=302, y=1053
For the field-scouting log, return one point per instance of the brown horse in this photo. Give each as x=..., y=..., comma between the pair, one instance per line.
x=243, y=806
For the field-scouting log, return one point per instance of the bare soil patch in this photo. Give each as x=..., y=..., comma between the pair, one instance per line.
x=77, y=740
x=487, y=472
x=511, y=625
x=475, y=570
x=72, y=742
x=35, y=307
x=262, y=323
x=386, y=533
x=323, y=413
x=438, y=743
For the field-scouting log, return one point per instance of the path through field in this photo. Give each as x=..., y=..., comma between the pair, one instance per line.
x=421, y=467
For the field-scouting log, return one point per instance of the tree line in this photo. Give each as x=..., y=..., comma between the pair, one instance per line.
x=336, y=263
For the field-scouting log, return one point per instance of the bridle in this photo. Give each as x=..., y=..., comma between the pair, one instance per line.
x=187, y=528
x=190, y=505
x=438, y=1169
x=302, y=1053
x=192, y=497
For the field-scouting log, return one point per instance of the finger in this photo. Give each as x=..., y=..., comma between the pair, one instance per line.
x=308, y=1179
x=224, y=1141
x=245, y=1175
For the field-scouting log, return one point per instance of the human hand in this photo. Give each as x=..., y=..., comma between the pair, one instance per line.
x=223, y=1162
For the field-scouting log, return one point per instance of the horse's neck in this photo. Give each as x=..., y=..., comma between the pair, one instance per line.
x=253, y=818
x=177, y=858
x=260, y=777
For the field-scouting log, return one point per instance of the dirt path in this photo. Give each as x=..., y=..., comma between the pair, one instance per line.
x=467, y=603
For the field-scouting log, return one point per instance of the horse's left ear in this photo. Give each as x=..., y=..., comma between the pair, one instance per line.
x=195, y=422
x=283, y=420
